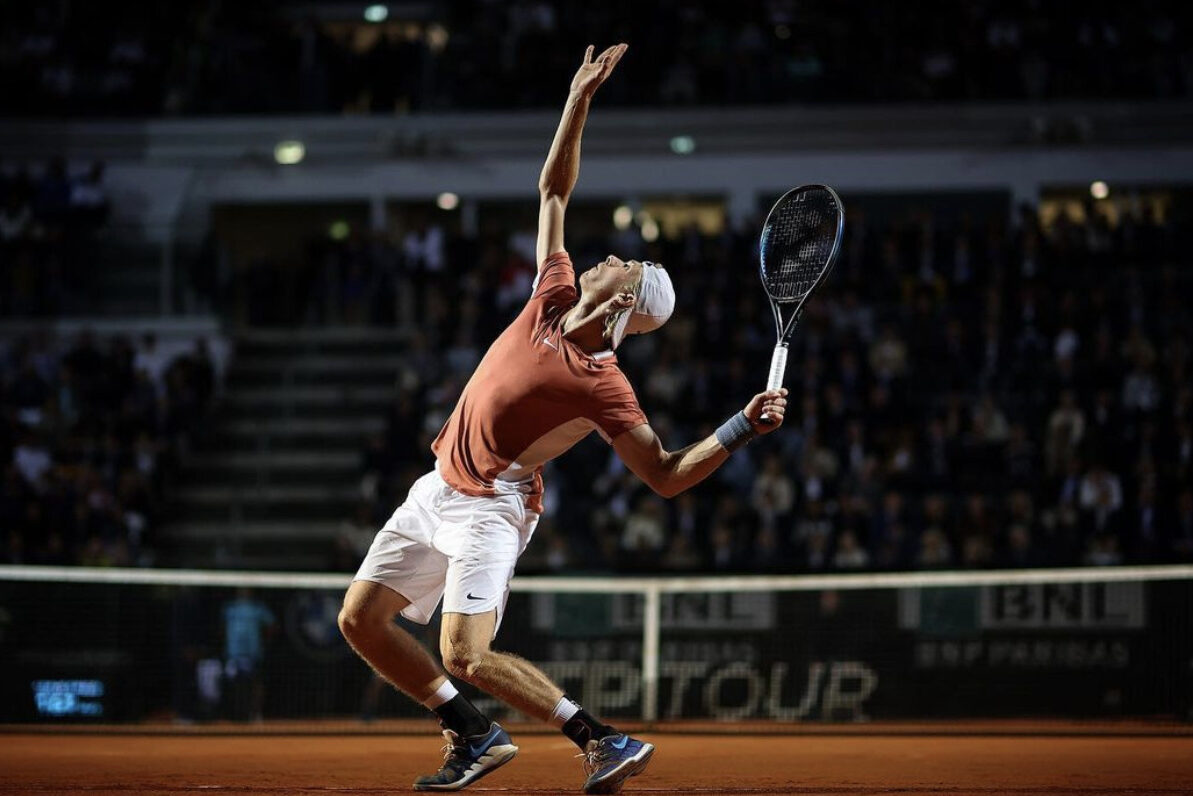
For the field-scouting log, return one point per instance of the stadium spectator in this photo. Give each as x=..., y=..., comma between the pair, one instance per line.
x=850, y=553
x=949, y=362
x=48, y=225
x=993, y=464
x=248, y=624
x=1100, y=499
x=87, y=441
x=199, y=57
x=644, y=537
x=1182, y=527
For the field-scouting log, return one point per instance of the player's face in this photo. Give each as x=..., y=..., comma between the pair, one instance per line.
x=610, y=276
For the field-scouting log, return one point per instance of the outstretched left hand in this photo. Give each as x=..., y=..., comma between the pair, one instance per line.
x=592, y=73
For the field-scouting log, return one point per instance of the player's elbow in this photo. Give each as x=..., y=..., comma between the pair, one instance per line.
x=663, y=489
x=671, y=490
x=666, y=483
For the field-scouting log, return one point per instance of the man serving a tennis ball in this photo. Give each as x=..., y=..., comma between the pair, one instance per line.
x=546, y=382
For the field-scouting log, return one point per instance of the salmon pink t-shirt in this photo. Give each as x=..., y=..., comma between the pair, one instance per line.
x=533, y=396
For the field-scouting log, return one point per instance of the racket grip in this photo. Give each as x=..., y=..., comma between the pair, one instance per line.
x=778, y=366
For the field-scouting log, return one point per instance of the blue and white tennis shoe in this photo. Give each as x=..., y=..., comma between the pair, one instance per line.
x=610, y=761
x=465, y=760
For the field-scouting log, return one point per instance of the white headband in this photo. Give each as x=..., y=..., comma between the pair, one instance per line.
x=652, y=306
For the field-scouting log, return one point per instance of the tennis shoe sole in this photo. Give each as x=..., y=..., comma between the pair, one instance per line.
x=494, y=758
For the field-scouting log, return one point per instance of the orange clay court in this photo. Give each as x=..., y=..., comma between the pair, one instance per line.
x=913, y=759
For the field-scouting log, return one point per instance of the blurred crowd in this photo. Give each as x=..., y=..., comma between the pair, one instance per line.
x=49, y=220
x=967, y=391
x=90, y=434
x=972, y=393
x=209, y=57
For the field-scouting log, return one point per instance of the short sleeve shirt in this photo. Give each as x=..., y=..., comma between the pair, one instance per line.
x=534, y=395
x=244, y=624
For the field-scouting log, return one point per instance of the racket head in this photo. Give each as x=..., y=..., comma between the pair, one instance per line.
x=800, y=241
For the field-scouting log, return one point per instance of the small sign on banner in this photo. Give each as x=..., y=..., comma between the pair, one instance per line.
x=1094, y=606
x=751, y=610
x=567, y=614
x=1027, y=606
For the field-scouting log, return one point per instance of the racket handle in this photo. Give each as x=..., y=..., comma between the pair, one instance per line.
x=778, y=366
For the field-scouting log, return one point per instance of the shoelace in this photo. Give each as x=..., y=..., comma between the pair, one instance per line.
x=454, y=748
x=594, y=757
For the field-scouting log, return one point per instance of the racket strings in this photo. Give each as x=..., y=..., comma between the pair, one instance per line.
x=797, y=246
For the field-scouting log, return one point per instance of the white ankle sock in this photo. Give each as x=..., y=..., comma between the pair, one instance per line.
x=564, y=710
x=444, y=693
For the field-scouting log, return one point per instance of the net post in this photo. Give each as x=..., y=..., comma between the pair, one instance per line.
x=651, y=616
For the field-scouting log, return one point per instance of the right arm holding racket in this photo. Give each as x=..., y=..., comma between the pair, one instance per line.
x=799, y=243
x=671, y=472
x=562, y=168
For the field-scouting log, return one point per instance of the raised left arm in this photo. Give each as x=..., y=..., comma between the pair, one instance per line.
x=562, y=168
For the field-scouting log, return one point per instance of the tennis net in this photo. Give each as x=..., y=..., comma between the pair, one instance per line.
x=134, y=645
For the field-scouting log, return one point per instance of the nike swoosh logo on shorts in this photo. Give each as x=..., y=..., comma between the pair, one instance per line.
x=470, y=597
x=549, y=343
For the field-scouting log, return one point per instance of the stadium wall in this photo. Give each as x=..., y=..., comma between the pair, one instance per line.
x=165, y=175
x=173, y=201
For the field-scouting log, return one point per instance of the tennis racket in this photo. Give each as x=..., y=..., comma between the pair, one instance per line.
x=800, y=240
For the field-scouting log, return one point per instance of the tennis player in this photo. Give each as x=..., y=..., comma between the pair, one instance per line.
x=548, y=381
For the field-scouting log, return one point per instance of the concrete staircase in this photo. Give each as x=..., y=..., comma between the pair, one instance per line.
x=279, y=468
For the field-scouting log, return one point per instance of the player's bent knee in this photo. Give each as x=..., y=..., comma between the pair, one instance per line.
x=463, y=664
x=360, y=625
x=368, y=610
x=351, y=624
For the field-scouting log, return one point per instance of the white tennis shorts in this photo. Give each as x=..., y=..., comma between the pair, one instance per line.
x=441, y=543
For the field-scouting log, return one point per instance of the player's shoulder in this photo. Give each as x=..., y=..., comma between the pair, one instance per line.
x=555, y=274
x=556, y=259
x=555, y=287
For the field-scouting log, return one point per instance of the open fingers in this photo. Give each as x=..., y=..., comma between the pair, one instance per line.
x=608, y=53
x=588, y=54
x=616, y=56
x=610, y=57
